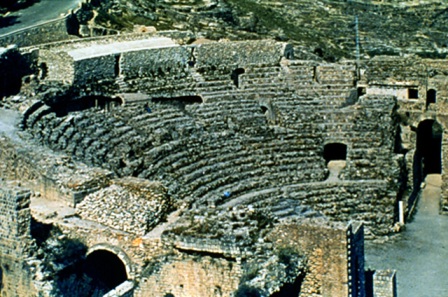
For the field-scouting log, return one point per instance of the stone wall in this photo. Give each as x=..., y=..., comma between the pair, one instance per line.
x=55, y=176
x=411, y=79
x=50, y=31
x=264, y=52
x=326, y=247
x=269, y=129
x=202, y=277
x=130, y=204
x=15, y=66
x=15, y=241
x=89, y=71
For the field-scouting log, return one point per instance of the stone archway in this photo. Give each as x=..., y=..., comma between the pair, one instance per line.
x=118, y=253
x=105, y=268
x=428, y=152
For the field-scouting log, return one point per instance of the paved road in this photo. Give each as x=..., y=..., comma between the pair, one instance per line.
x=42, y=11
x=420, y=254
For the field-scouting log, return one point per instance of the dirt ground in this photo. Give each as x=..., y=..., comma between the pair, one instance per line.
x=420, y=253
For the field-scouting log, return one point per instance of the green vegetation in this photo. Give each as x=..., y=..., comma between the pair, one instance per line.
x=325, y=28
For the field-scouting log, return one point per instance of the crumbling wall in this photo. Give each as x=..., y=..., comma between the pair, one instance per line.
x=56, y=67
x=130, y=204
x=14, y=66
x=54, y=176
x=398, y=75
x=201, y=276
x=15, y=240
x=326, y=247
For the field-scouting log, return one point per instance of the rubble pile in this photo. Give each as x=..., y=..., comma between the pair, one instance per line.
x=129, y=204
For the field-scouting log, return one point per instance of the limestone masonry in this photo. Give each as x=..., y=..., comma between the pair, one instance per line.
x=163, y=165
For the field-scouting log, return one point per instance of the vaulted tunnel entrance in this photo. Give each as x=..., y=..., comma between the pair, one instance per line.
x=335, y=152
x=105, y=269
x=335, y=155
x=428, y=153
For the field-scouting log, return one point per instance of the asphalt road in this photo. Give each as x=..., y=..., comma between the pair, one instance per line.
x=40, y=12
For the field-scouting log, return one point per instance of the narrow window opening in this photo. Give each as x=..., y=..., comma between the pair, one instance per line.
x=412, y=93
x=117, y=65
x=235, y=76
x=263, y=109
x=430, y=97
x=192, y=58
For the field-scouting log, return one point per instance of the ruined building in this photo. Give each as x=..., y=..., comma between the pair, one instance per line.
x=142, y=165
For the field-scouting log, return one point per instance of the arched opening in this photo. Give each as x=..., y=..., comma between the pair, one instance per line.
x=64, y=107
x=168, y=295
x=335, y=155
x=430, y=97
x=290, y=289
x=335, y=152
x=428, y=153
x=235, y=76
x=105, y=269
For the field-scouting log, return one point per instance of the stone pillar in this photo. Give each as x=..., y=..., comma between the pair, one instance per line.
x=15, y=238
x=384, y=283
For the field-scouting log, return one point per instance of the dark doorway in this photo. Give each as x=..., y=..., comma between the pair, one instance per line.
x=335, y=152
x=235, y=76
x=428, y=153
x=361, y=91
x=290, y=289
x=106, y=269
x=430, y=97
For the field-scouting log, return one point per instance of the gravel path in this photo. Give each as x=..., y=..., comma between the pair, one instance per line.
x=419, y=254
